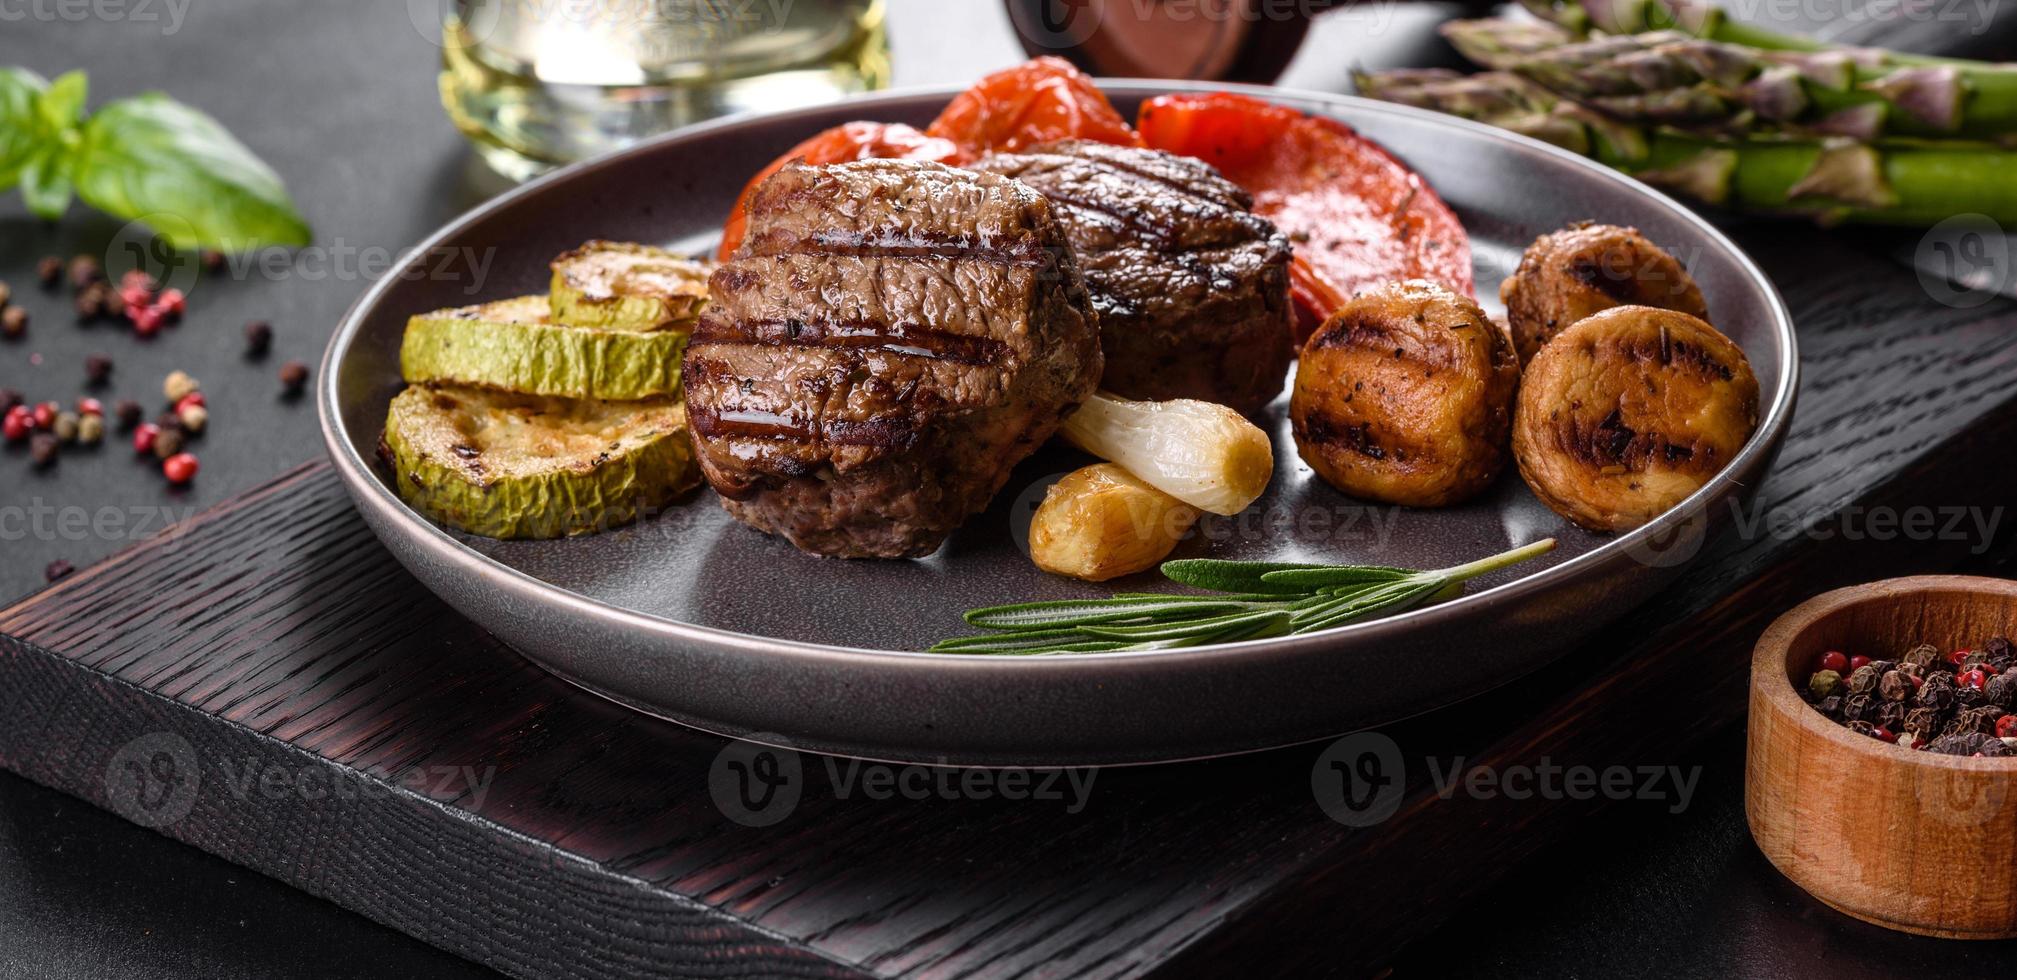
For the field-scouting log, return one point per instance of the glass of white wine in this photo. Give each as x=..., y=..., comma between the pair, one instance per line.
x=540, y=83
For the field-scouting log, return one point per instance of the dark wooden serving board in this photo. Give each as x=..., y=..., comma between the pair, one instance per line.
x=349, y=734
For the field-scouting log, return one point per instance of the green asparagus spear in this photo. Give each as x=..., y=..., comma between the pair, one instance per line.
x=1696, y=17
x=1668, y=77
x=1899, y=181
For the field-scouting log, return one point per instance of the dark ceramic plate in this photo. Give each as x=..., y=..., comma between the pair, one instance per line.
x=693, y=617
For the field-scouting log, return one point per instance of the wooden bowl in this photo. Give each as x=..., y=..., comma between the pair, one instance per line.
x=1909, y=840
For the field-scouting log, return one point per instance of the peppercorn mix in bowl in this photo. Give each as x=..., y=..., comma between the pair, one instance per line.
x=1838, y=799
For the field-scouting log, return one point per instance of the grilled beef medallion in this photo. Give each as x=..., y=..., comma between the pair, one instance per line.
x=891, y=337
x=1191, y=286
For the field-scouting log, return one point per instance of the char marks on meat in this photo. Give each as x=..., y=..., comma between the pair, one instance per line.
x=1192, y=287
x=890, y=339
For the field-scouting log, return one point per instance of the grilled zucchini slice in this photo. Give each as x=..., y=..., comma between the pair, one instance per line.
x=625, y=286
x=514, y=345
x=506, y=465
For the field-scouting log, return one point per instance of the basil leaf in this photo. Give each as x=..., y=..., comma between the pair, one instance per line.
x=153, y=155
x=62, y=104
x=45, y=183
x=21, y=131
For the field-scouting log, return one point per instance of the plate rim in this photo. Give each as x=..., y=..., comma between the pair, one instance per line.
x=367, y=491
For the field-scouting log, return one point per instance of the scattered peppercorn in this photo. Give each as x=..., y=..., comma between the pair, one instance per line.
x=168, y=443
x=1958, y=703
x=90, y=406
x=193, y=398
x=193, y=417
x=91, y=429
x=9, y=398
x=49, y=271
x=97, y=369
x=293, y=375
x=85, y=270
x=17, y=424
x=57, y=569
x=213, y=260
x=145, y=436
x=42, y=447
x=146, y=320
x=258, y=338
x=178, y=385
x=65, y=427
x=128, y=411
x=44, y=414
x=90, y=302
x=13, y=322
x=179, y=468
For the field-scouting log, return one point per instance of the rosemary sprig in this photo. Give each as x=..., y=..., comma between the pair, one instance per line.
x=1260, y=599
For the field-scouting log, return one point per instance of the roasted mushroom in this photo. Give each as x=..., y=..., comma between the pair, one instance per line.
x=1405, y=395
x=1629, y=411
x=1585, y=268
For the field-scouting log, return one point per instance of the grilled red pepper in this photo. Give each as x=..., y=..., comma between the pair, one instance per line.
x=1035, y=102
x=1356, y=215
x=848, y=141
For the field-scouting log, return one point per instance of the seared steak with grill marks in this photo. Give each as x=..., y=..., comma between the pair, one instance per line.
x=890, y=339
x=1192, y=287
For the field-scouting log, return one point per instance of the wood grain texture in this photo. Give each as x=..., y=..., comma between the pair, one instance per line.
x=275, y=633
x=1909, y=840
